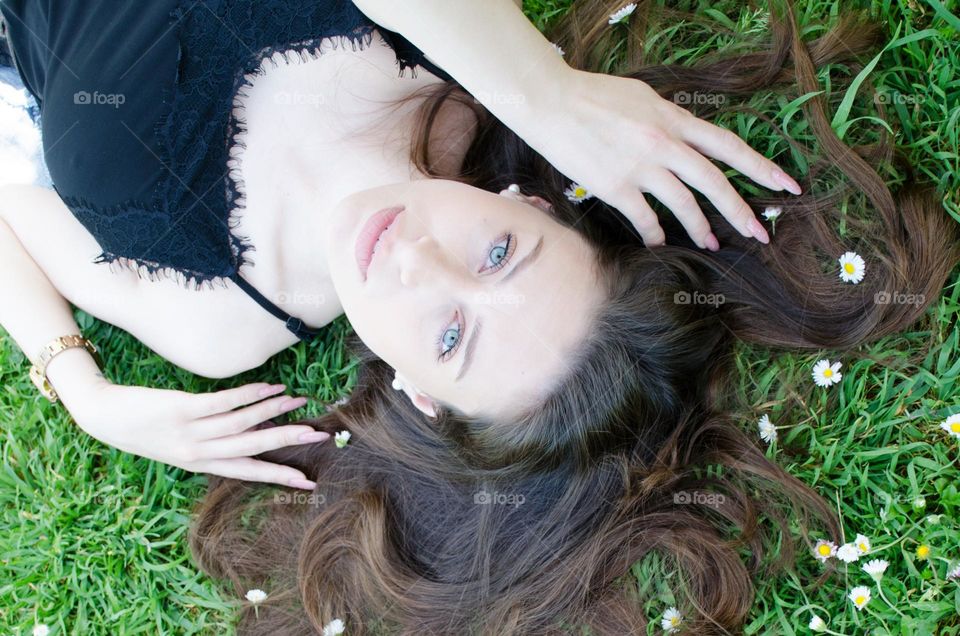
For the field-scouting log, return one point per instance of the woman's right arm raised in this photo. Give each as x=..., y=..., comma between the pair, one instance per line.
x=197, y=432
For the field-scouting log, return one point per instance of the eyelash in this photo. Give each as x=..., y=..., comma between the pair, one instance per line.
x=511, y=248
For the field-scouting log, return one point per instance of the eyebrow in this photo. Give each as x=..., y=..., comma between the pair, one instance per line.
x=472, y=345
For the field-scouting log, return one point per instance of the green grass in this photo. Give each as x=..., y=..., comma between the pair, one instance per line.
x=92, y=540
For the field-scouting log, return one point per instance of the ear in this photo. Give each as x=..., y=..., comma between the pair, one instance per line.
x=533, y=200
x=420, y=400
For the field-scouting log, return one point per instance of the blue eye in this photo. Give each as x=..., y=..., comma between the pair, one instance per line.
x=499, y=253
x=449, y=339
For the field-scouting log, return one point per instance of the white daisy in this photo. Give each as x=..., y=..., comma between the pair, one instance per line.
x=952, y=425
x=817, y=624
x=621, y=15
x=860, y=596
x=671, y=619
x=875, y=568
x=919, y=503
x=825, y=373
x=333, y=628
x=772, y=212
x=256, y=596
x=954, y=574
x=848, y=553
x=862, y=543
x=341, y=438
x=825, y=549
x=768, y=432
x=559, y=49
x=852, y=267
x=577, y=193
x=40, y=630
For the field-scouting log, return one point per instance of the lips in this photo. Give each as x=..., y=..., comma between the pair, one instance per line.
x=375, y=226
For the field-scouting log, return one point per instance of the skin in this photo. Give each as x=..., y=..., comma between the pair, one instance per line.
x=304, y=215
x=448, y=263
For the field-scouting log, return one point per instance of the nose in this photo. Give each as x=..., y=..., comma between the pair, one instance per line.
x=422, y=261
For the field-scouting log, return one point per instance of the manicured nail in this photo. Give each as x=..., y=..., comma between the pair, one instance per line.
x=292, y=403
x=757, y=231
x=306, y=484
x=786, y=181
x=272, y=390
x=711, y=242
x=316, y=436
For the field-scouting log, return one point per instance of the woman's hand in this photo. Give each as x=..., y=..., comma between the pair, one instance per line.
x=618, y=138
x=198, y=432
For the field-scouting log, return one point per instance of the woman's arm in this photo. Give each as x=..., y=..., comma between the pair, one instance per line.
x=197, y=331
x=33, y=312
x=489, y=46
x=45, y=261
x=620, y=138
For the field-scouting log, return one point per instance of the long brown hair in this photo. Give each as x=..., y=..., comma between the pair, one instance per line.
x=530, y=526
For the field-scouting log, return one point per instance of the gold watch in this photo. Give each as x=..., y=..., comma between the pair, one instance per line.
x=38, y=371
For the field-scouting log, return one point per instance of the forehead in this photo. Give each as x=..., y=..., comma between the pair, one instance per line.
x=532, y=323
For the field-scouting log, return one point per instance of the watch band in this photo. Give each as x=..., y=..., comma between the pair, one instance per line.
x=38, y=371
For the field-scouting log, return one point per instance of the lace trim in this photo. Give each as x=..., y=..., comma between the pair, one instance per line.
x=205, y=110
x=237, y=126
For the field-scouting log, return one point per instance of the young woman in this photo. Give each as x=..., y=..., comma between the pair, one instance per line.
x=530, y=523
x=183, y=137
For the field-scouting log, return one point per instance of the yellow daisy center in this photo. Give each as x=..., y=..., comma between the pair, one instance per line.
x=864, y=547
x=849, y=268
x=580, y=192
x=860, y=600
x=955, y=427
x=923, y=551
x=674, y=620
x=824, y=549
x=828, y=373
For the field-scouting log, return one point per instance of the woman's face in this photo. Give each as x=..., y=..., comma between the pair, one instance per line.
x=477, y=299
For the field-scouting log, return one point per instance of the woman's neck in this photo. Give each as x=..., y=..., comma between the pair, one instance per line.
x=317, y=132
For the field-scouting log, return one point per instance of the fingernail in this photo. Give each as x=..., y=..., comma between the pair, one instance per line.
x=292, y=403
x=757, y=231
x=272, y=390
x=786, y=181
x=306, y=484
x=711, y=242
x=316, y=436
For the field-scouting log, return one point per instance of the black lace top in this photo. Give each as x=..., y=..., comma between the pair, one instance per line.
x=137, y=109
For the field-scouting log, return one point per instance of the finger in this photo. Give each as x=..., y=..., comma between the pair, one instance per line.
x=697, y=171
x=235, y=422
x=673, y=194
x=729, y=148
x=249, y=469
x=260, y=441
x=634, y=206
x=206, y=404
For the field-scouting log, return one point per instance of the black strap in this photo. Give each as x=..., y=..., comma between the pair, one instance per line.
x=436, y=70
x=295, y=325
